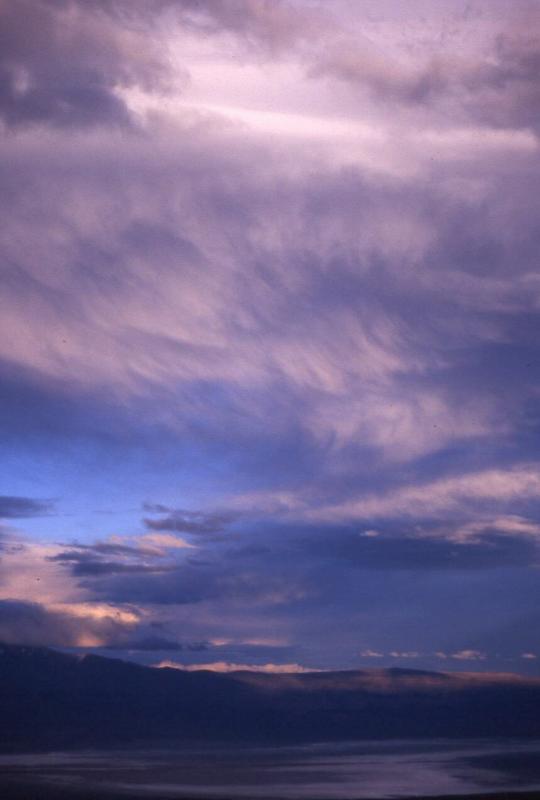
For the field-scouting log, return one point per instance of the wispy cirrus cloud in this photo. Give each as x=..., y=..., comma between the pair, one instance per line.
x=463, y=493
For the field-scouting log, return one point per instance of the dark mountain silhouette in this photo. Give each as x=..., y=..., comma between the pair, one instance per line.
x=50, y=700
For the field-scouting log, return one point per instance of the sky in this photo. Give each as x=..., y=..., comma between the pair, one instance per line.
x=269, y=321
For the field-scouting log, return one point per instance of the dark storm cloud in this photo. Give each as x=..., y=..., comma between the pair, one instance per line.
x=90, y=560
x=490, y=550
x=240, y=574
x=185, y=585
x=83, y=568
x=21, y=507
x=301, y=566
x=33, y=623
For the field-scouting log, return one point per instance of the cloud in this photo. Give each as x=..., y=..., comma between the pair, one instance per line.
x=422, y=547
x=352, y=365
x=506, y=92
x=62, y=64
x=496, y=85
x=393, y=654
x=468, y=655
x=112, y=548
x=88, y=567
x=405, y=654
x=338, y=378
x=34, y=624
x=290, y=582
x=191, y=583
x=22, y=507
x=499, y=487
x=274, y=25
x=183, y=521
x=225, y=666
x=114, y=47
x=359, y=62
x=164, y=540
x=84, y=562
x=306, y=308
x=511, y=525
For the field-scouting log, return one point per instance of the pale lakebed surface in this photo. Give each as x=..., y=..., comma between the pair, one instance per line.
x=348, y=770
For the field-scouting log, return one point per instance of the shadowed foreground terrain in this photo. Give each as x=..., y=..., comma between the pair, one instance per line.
x=100, y=729
x=54, y=701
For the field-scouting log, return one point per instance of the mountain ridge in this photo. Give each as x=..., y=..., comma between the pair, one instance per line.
x=54, y=700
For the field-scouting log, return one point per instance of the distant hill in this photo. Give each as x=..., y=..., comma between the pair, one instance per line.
x=50, y=700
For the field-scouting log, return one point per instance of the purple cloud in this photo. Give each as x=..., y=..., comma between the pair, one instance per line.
x=294, y=300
